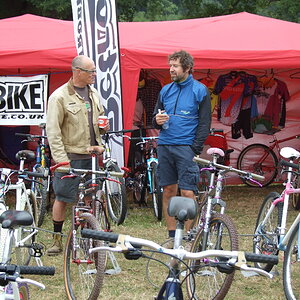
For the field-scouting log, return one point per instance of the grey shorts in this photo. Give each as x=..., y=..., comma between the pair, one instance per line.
x=66, y=189
x=176, y=166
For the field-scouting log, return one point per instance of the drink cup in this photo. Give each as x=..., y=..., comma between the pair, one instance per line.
x=102, y=121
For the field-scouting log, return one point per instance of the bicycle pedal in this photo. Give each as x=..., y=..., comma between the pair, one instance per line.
x=37, y=250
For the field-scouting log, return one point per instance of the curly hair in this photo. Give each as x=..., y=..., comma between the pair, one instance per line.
x=186, y=60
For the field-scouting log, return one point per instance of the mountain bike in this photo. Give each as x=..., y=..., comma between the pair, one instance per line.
x=84, y=272
x=182, y=209
x=40, y=186
x=212, y=228
x=262, y=159
x=25, y=200
x=142, y=178
x=271, y=234
x=115, y=193
x=12, y=284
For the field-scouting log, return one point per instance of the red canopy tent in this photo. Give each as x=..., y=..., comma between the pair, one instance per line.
x=32, y=44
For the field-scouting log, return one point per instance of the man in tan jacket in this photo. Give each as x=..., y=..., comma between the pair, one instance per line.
x=72, y=126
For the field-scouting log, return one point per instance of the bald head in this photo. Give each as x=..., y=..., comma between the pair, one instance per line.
x=81, y=61
x=84, y=71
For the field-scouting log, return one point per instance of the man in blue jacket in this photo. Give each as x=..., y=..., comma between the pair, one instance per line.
x=183, y=113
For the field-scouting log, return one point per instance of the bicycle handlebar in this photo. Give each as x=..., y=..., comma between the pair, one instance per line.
x=31, y=136
x=13, y=272
x=228, y=168
x=289, y=164
x=7, y=171
x=127, y=243
x=58, y=168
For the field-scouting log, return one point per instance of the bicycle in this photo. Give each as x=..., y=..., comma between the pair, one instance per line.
x=25, y=246
x=148, y=175
x=212, y=228
x=12, y=285
x=40, y=186
x=84, y=273
x=182, y=209
x=262, y=159
x=271, y=234
x=115, y=193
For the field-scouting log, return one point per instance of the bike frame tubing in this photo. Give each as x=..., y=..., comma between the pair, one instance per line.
x=150, y=162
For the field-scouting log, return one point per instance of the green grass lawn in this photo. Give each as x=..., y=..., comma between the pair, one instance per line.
x=132, y=283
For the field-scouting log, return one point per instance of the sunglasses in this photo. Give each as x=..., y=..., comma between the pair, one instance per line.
x=86, y=70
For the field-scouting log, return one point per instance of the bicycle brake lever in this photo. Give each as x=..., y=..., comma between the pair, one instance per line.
x=244, y=267
x=30, y=281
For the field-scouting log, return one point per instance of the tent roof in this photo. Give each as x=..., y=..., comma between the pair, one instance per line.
x=240, y=40
x=36, y=43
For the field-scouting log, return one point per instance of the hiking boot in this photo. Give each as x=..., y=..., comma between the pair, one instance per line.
x=57, y=247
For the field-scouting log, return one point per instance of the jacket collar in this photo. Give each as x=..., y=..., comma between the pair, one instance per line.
x=71, y=89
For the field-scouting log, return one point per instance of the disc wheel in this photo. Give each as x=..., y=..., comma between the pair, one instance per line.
x=258, y=159
x=266, y=236
x=83, y=272
x=206, y=280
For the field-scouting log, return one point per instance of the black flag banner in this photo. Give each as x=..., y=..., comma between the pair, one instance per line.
x=96, y=35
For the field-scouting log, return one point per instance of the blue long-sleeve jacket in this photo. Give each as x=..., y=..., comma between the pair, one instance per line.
x=188, y=105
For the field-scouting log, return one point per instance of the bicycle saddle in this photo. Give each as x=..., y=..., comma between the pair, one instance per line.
x=289, y=152
x=15, y=218
x=27, y=155
x=182, y=208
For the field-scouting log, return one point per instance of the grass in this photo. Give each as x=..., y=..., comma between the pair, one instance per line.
x=131, y=283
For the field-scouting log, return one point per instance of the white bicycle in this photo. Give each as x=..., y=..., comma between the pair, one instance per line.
x=12, y=286
x=13, y=181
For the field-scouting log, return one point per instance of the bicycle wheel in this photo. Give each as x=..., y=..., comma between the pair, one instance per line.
x=116, y=196
x=266, y=236
x=291, y=267
x=296, y=197
x=41, y=191
x=22, y=253
x=206, y=279
x=83, y=273
x=258, y=159
x=156, y=193
x=101, y=211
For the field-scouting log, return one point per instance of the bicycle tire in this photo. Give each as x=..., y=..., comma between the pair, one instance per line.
x=41, y=192
x=211, y=282
x=116, y=196
x=266, y=238
x=296, y=197
x=101, y=211
x=157, y=193
x=84, y=280
x=291, y=267
x=23, y=254
x=248, y=160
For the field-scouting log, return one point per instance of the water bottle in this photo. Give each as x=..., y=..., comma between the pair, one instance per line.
x=166, y=124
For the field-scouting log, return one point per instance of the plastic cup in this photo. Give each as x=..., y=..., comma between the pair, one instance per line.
x=102, y=121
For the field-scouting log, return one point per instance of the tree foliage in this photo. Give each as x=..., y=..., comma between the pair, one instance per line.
x=159, y=10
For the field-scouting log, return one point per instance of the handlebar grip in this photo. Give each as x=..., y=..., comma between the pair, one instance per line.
x=36, y=174
x=33, y=270
x=22, y=134
x=289, y=164
x=37, y=270
x=100, y=235
x=262, y=258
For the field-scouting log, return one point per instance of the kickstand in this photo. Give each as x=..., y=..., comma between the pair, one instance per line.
x=116, y=268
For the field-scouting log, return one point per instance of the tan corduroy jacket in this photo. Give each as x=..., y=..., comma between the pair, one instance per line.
x=67, y=124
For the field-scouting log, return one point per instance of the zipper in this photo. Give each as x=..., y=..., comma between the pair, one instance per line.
x=177, y=100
